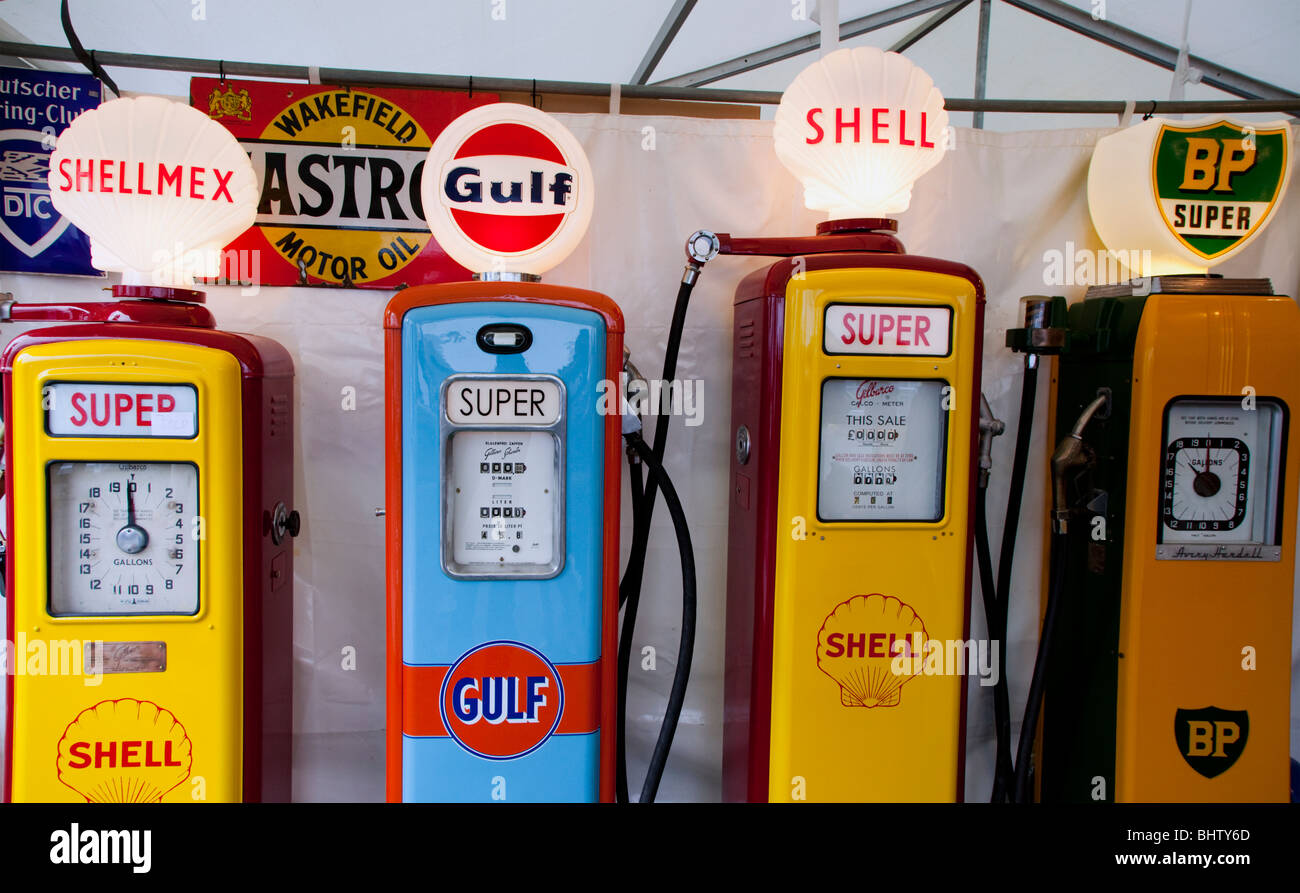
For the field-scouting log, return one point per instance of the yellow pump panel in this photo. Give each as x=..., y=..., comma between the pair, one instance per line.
x=175, y=733
x=1196, y=634
x=906, y=745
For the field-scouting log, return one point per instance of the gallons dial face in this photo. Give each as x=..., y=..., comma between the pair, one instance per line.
x=1220, y=473
x=1206, y=483
x=120, y=538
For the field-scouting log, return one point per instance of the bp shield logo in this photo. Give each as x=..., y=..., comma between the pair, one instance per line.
x=501, y=700
x=1211, y=739
x=1217, y=183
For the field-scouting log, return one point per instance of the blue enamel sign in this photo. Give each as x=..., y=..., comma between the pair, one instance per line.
x=35, y=107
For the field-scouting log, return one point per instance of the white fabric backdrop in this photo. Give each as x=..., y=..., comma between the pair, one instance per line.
x=997, y=202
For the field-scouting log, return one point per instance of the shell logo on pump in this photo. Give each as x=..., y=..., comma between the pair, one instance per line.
x=501, y=700
x=859, y=644
x=124, y=751
x=507, y=188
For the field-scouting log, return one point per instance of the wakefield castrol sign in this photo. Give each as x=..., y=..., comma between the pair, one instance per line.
x=339, y=170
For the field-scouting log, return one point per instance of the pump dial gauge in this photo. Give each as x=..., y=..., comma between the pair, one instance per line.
x=1220, y=477
x=120, y=538
x=883, y=450
x=1206, y=483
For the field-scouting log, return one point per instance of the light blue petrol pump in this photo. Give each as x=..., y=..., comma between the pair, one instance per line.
x=503, y=478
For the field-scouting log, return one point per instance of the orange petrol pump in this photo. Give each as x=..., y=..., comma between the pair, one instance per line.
x=149, y=491
x=856, y=376
x=1169, y=608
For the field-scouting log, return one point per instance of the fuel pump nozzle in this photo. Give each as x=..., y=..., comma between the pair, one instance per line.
x=990, y=427
x=1070, y=454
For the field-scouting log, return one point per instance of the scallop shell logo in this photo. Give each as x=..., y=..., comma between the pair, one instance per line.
x=859, y=642
x=124, y=751
x=866, y=169
x=157, y=185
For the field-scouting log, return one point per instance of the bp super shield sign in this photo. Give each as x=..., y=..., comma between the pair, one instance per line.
x=1178, y=197
x=1216, y=184
x=35, y=107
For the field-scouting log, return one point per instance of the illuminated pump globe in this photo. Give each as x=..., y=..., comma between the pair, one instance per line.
x=158, y=186
x=858, y=128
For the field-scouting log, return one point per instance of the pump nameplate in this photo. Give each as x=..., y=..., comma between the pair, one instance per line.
x=103, y=409
x=887, y=330
x=504, y=401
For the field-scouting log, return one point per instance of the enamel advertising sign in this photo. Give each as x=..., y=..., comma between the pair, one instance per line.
x=35, y=107
x=1217, y=183
x=1170, y=197
x=339, y=170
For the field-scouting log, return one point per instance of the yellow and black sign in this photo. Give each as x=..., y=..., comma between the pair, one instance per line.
x=340, y=173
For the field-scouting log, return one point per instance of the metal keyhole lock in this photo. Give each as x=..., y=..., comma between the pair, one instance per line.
x=742, y=444
x=284, y=522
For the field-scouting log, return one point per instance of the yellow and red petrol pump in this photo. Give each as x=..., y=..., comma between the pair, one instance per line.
x=856, y=377
x=149, y=491
x=1166, y=643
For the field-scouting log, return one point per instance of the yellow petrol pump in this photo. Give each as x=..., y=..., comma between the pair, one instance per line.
x=149, y=482
x=856, y=376
x=1175, y=486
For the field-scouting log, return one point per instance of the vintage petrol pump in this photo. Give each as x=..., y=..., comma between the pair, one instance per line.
x=148, y=487
x=856, y=378
x=503, y=483
x=1166, y=652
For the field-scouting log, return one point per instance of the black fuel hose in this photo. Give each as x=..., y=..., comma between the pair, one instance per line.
x=643, y=502
x=686, y=644
x=1016, y=488
x=86, y=58
x=636, y=557
x=1002, y=778
x=1033, y=704
x=637, y=484
x=1004, y=770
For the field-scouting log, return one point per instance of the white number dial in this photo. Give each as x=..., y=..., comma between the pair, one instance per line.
x=1220, y=474
x=120, y=538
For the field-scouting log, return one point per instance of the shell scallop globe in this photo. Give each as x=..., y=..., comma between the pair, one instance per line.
x=882, y=123
x=859, y=643
x=159, y=187
x=124, y=751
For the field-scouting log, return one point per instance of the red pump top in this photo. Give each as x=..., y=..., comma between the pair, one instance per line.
x=873, y=234
x=155, y=306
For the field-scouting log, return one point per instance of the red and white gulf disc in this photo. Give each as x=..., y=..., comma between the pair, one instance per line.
x=507, y=189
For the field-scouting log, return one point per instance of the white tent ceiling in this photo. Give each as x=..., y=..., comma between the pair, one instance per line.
x=582, y=40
